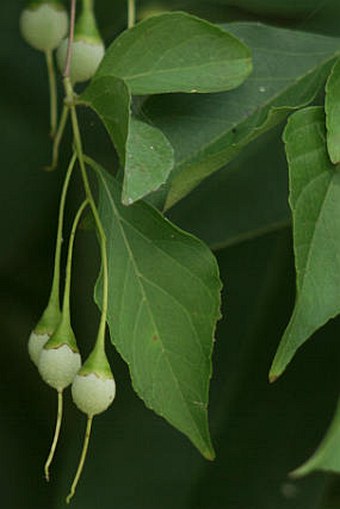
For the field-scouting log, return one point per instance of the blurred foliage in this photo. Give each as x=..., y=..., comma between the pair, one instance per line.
x=136, y=460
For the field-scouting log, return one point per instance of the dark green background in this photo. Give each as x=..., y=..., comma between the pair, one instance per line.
x=136, y=460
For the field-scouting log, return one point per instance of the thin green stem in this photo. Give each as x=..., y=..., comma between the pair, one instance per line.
x=131, y=13
x=54, y=297
x=53, y=92
x=67, y=289
x=56, y=436
x=100, y=229
x=58, y=138
x=82, y=459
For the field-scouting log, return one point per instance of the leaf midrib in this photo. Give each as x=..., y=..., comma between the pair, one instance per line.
x=153, y=72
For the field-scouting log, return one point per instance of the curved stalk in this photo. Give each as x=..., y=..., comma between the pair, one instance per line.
x=54, y=300
x=82, y=459
x=56, y=436
x=89, y=196
x=67, y=289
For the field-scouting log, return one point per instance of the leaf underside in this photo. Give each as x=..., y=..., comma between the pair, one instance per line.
x=315, y=204
x=164, y=298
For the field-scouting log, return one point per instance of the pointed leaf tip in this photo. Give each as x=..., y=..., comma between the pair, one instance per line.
x=164, y=302
x=314, y=198
x=327, y=455
x=273, y=377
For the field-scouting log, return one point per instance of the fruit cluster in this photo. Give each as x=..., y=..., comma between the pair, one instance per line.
x=52, y=344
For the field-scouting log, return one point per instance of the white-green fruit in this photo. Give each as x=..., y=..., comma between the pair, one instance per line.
x=44, y=26
x=93, y=394
x=36, y=343
x=86, y=57
x=58, y=366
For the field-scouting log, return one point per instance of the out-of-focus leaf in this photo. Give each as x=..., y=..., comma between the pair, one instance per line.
x=246, y=199
x=289, y=8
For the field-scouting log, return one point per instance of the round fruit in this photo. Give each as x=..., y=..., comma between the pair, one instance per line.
x=93, y=394
x=86, y=57
x=58, y=366
x=43, y=26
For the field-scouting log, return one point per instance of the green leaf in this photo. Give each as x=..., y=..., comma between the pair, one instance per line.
x=164, y=298
x=206, y=132
x=315, y=204
x=150, y=159
x=109, y=97
x=332, y=106
x=176, y=52
x=144, y=151
x=327, y=456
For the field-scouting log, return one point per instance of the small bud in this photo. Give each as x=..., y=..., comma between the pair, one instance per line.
x=43, y=25
x=58, y=366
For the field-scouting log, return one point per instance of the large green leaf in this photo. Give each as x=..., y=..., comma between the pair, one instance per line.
x=327, y=456
x=315, y=204
x=208, y=131
x=176, y=52
x=164, y=296
x=332, y=106
x=144, y=151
